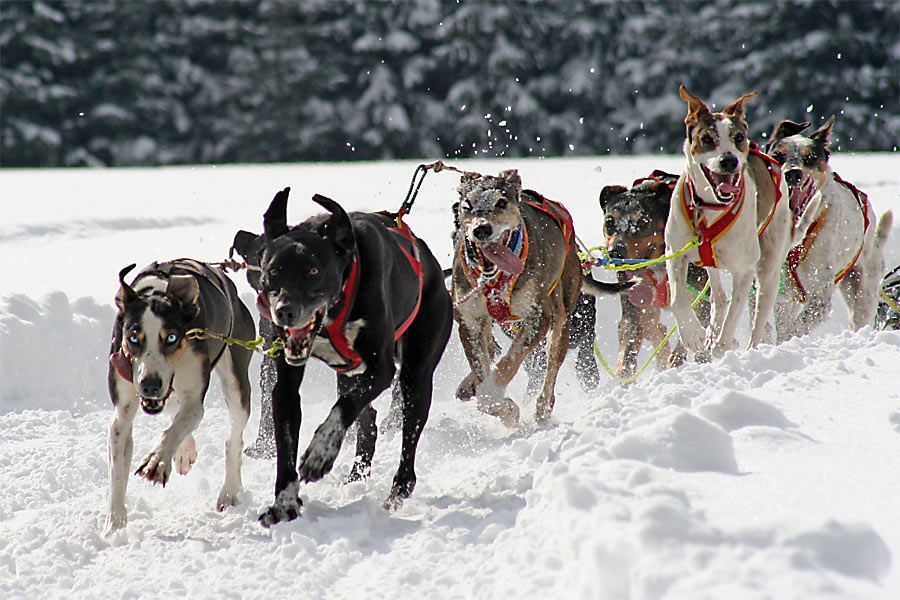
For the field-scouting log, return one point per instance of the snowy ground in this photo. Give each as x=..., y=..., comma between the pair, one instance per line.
x=769, y=474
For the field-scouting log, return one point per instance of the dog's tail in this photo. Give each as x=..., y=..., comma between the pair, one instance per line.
x=591, y=286
x=884, y=229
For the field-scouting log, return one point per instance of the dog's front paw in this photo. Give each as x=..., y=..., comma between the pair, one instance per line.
x=155, y=469
x=115, y=521
x=226, y=498
x=323, y=449
x=467, y=388
x=399, y=493
x=543, y=409
x=186, y=455
x=286, y=508
x=359, y=472
x=280, y=512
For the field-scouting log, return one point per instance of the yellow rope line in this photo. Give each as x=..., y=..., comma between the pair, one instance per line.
x=655, y=350
x=693, y=242
x=255, y=345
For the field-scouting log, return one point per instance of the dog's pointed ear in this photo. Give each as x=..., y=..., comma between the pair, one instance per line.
x=735, y=110
x=608, y=192
x=126, y=293
x=661, y=191
x=822, y=135
x=275, y=217
x=186, y=291
x=696, y=106
x=786, y=129
x=338, y=229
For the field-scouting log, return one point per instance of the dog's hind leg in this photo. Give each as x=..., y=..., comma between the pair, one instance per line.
x=120, y=445
x=233, y=374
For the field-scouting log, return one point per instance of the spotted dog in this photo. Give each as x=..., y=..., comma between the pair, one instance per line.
x=155, y=366
x=840, y=248
x=734, y=199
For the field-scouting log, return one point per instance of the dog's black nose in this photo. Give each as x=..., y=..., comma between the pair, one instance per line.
x=483, y=231
x=728, y=162
x=285, y=315
x=151, y=386
x=793, y=177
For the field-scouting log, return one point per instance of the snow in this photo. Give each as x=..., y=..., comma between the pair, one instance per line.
x=771, y=473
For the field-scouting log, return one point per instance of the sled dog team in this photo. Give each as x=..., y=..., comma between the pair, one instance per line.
x=362, y=293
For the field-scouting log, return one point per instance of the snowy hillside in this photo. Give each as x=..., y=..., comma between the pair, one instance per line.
x=769, y=474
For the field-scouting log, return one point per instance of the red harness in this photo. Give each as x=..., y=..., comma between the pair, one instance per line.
x=709, y=234
x=335, y=330
x=798, y=253
x=497, y=291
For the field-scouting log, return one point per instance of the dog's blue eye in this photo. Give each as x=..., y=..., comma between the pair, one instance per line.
x=134, y=339
x=171, y=338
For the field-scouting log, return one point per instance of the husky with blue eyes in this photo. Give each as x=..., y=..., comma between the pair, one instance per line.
x=155, y=365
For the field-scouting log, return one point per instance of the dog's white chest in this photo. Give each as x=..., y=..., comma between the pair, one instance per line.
x=324, y=349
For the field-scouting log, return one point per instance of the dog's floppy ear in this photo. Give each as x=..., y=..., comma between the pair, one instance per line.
x=696, y=107
x=822, y=135
x=275, y=217
x=338, y=229
x=186, y=291
x=126, y=293
x=735, y=110
x=786, y=129
x=246, y=244
x=608, y=192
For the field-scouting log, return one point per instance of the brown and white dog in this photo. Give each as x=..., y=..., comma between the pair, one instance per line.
x=516, y=264
x=155, y=365
x=634, y=224
x=841, y=247
x=729, y=197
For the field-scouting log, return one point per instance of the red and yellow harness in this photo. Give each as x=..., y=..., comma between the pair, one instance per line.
x=709, y=234
x=497, y=289
x=798, y=253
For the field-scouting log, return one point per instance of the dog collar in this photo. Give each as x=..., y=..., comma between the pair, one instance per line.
x=497, y=289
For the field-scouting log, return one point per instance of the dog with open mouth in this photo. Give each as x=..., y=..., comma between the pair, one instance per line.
x=841, y=247
x=361, y=293
x=634, y=225
x=733, y=198
x=156, y=365
x=515, y=264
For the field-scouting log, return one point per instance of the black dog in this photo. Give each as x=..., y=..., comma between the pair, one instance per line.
x=358, y=292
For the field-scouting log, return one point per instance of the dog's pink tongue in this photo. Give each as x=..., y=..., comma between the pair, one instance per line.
x=503, y=257
x=726, y=188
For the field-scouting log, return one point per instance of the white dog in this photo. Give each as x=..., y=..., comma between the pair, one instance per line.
x=840, y=247
x=735, y=200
